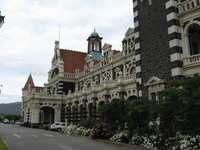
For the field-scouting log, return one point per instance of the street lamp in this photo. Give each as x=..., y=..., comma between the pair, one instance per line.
x=1, y=19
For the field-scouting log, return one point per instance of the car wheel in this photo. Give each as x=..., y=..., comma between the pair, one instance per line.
x=59, y=129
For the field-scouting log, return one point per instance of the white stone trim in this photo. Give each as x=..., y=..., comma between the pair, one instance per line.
x=137, y=57
x=135, y=3
x=138, y=69
x=136, y=24
x=137, y=34
x=170, y=3
x=172, y=29
x=135, y=13
x=137, y=46
x=176, y=71
x=174, y=42
x=175, y=56
x=171, y=16
x=139, y=80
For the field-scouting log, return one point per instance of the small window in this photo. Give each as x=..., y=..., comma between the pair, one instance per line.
x=153, y=96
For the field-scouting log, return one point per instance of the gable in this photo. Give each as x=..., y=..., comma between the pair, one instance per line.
x=129, y=31
x=154, y=80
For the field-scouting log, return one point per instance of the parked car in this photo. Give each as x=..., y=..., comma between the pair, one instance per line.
x=57, y=126
x=6, y=121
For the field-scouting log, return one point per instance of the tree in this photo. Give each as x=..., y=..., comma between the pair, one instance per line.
x=113, y=113
x=180, y=108
x=139, y=114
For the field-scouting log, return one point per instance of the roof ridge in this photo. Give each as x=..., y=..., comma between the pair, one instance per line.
x=73, y=50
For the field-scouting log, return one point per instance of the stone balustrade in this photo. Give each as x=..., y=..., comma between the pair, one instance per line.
x=187, y=5
x=191, y=59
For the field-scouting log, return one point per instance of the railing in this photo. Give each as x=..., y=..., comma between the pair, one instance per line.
x=187, y=5
x=70, y=75
x=191, y=59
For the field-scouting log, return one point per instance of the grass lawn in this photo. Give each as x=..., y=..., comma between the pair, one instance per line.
x=3, y=146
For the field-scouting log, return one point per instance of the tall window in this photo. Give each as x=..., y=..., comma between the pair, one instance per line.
x=194, y=39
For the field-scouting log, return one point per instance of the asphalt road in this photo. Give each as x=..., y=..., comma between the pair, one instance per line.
x=23, y=138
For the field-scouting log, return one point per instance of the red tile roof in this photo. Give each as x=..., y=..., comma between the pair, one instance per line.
x=73, y=60
x=115, y=52
x=29, y=82
x=38, y=88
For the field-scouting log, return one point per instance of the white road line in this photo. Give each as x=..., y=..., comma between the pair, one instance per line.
x=48, y=135
x=17, y=136
x=65, y=147
x=34, y=135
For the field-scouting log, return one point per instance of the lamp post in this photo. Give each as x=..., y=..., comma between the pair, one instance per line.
x=1, y=19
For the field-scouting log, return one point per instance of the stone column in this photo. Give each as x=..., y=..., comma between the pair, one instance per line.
x=106, y=101
x=35, y=116
x=69, y=112
x=121, y=95
x=76, y=112
x=84, y=109
x=94, y=100
x=57, y=114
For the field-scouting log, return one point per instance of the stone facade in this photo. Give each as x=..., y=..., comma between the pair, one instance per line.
x=164, y=45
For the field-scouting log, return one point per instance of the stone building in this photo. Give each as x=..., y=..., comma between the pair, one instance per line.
x=164, y=45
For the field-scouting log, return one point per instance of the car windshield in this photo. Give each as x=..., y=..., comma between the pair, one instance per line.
x=57, y=123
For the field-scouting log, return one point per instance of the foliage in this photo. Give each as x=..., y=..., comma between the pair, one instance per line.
x=139, y=113
x=101, y=130
x=113, y=113
x=179, y=110
x=121, y=136
x=46, y=126
x=88, y=123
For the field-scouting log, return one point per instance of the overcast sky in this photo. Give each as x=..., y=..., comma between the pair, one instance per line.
x=31, y=27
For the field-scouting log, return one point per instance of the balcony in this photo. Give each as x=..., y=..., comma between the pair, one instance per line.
x=187, y=5
x=191, y=65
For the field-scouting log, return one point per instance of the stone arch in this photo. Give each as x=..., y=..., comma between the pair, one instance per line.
x=192, y=38
x=133, y=97
x=100, y=103
x=89, y=110
x=80, y=112
x=46, y=115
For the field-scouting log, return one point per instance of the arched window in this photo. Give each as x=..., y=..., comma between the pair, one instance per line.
x=194, y=39
x=96, y=45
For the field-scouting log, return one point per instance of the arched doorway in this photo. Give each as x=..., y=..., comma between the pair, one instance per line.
x=133, y=97
x=46, y=115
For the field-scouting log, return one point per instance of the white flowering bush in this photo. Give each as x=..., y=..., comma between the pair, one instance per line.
x=75, y=130
x=121, y=136
x=179, y=142
x=183, y=142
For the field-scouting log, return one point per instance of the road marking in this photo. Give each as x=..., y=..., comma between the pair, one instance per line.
x=17, y=136
x=65, y=147
x=34, y=135
x=48, y=135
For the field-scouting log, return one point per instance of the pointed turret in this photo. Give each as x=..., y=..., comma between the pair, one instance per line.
x=29, y=83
